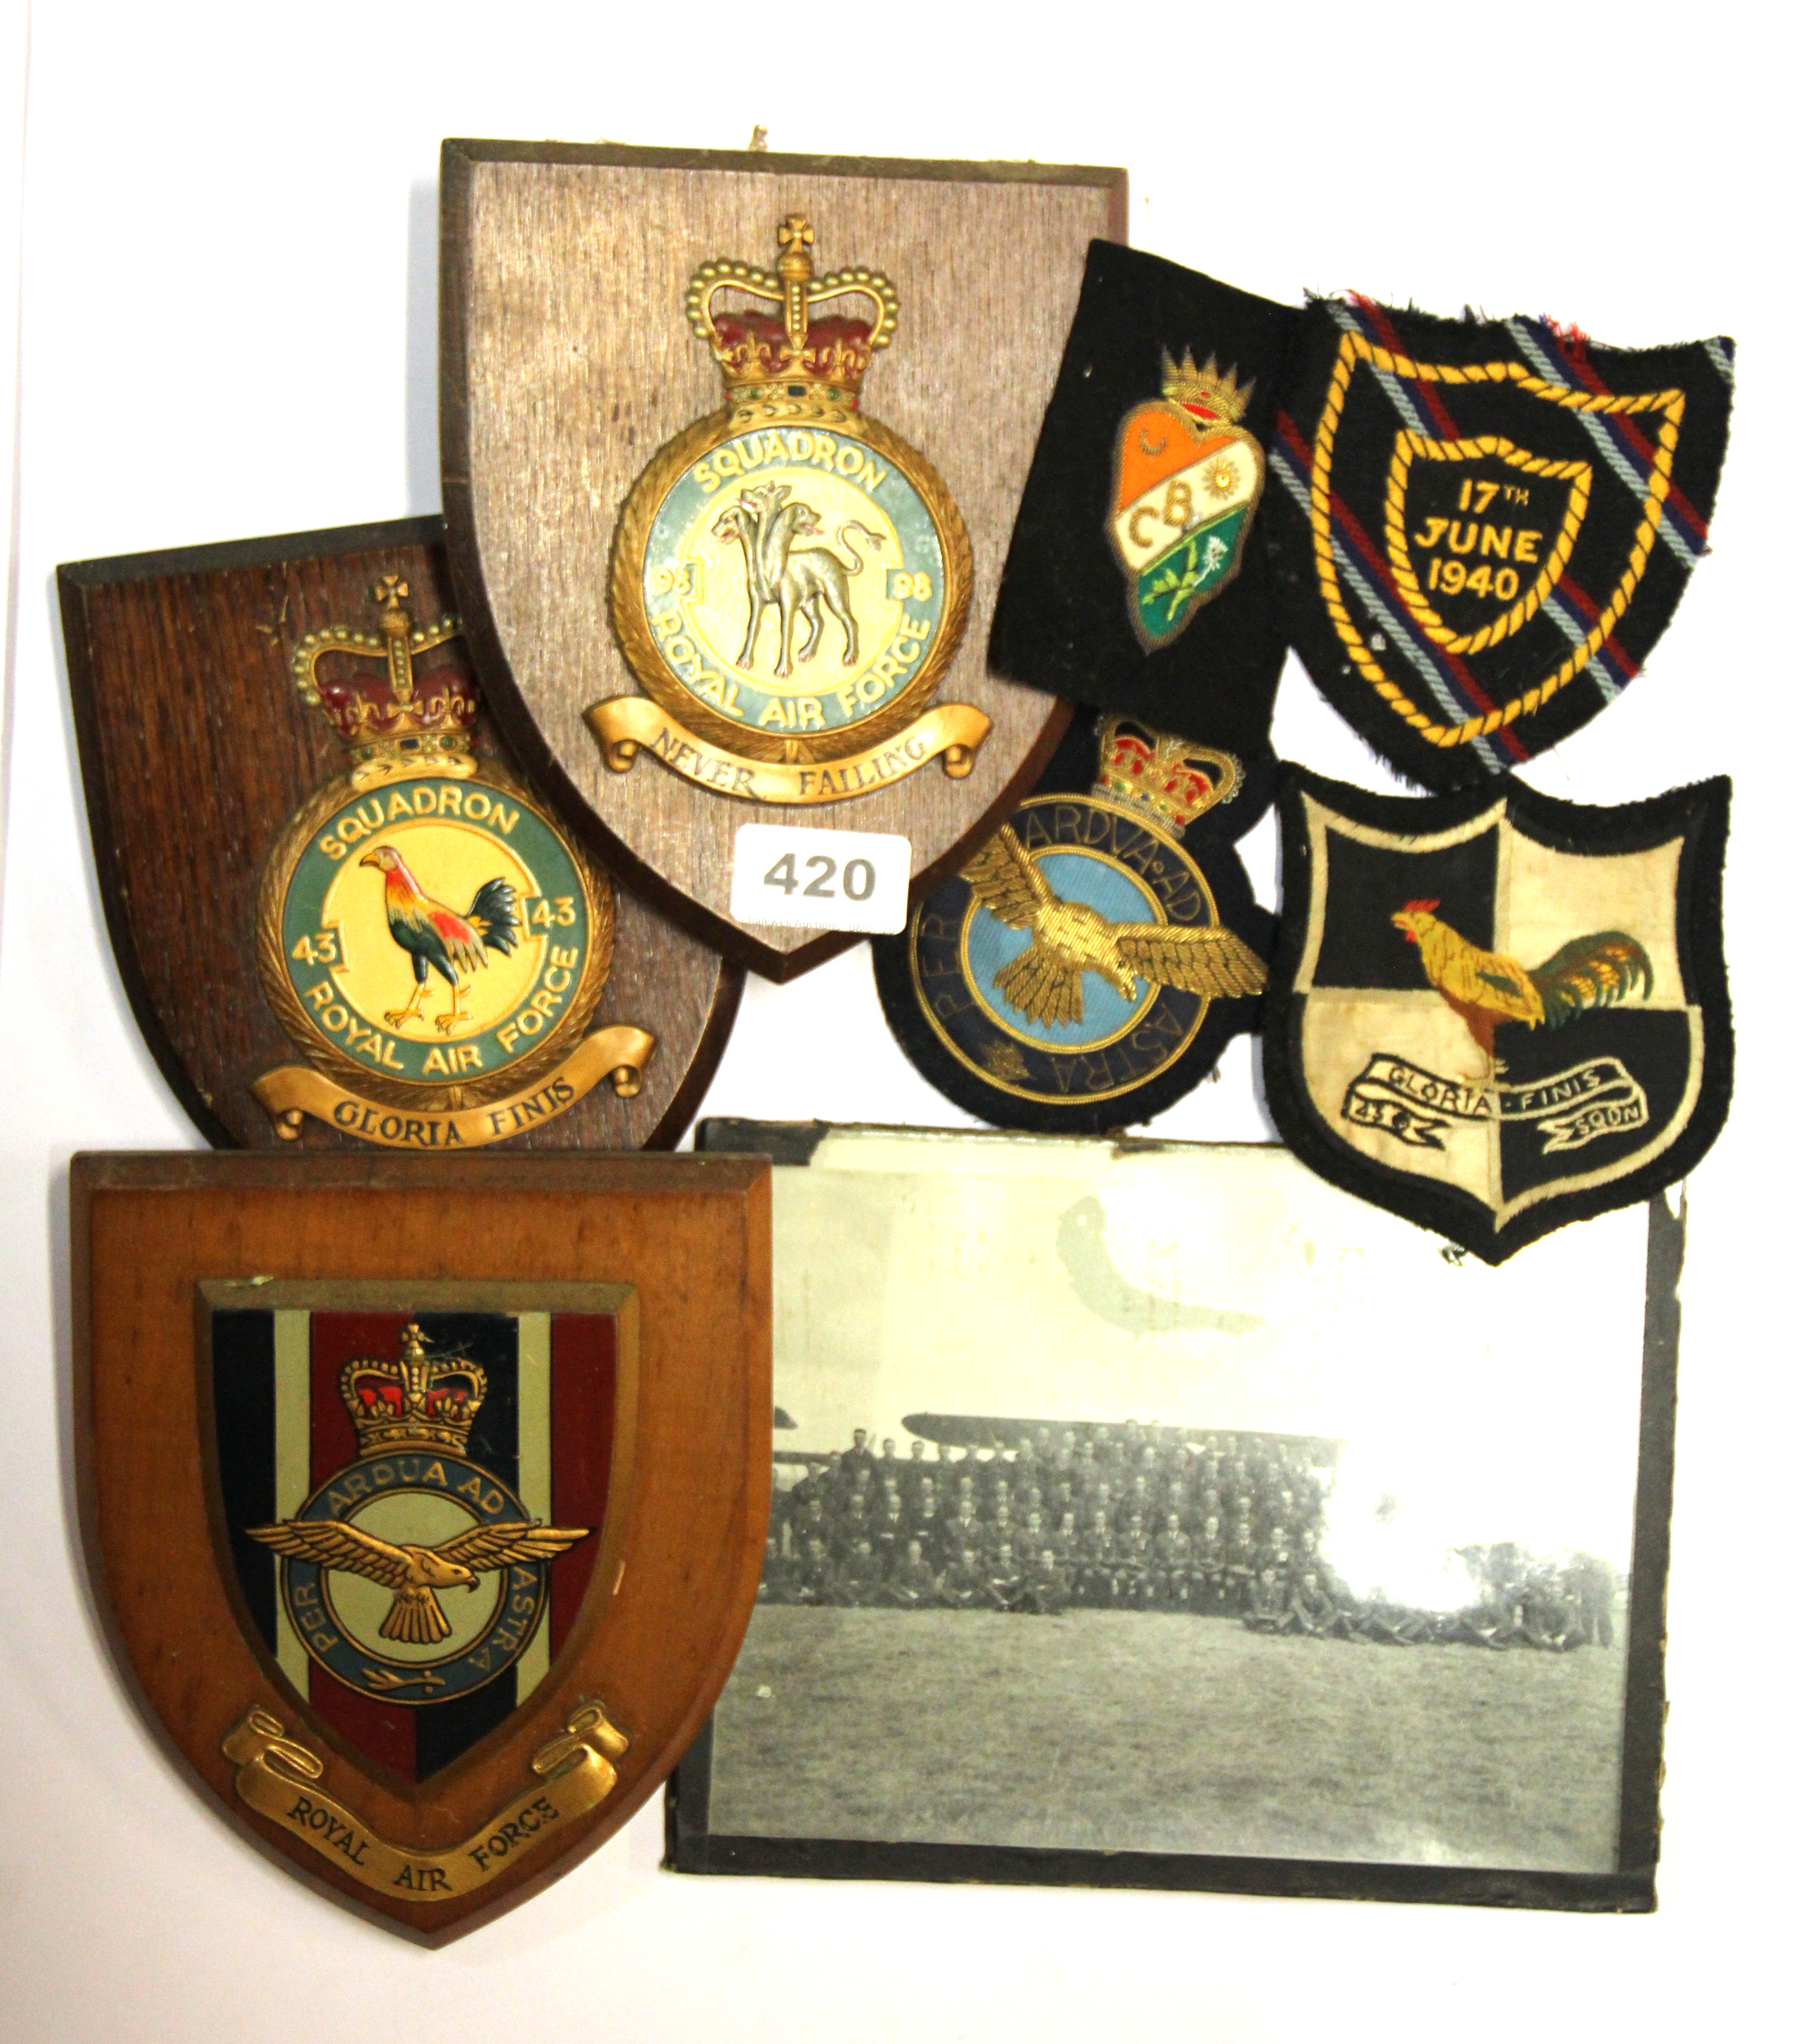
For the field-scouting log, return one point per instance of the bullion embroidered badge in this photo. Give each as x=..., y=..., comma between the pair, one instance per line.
x=1496, y=1012
x=1187, y=478
x=1086, y=968
x=1149, y=467
x=1483, y=526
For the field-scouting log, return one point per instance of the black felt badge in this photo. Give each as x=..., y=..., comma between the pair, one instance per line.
x=1085, y=969
x=1481, y=528
x=1137, y=579
x=1494, y=1013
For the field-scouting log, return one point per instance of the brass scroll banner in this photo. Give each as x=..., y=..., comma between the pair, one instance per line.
x=276, y=1777
x=618, y=1054
x=624, y=725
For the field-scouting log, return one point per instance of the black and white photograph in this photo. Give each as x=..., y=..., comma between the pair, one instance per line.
x=1162, y=1501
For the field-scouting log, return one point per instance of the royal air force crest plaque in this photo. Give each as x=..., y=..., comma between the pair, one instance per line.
x=1494, y=1013
x=689, y=614
x=373, y=931
x=449, y=1546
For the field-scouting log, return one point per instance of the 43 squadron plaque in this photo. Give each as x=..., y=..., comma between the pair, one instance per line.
x=340, y=914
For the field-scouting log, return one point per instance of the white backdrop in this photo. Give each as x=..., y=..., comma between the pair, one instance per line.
x=227, y=318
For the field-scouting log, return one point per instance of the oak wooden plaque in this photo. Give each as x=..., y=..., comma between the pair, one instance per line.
x=664, y=677
x=422, y=1498
x=196, y=677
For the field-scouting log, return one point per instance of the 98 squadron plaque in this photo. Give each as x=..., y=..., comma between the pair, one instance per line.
x=341, y=914
x=691, y=614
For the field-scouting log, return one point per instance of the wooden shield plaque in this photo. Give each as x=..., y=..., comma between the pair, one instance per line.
x=341, y=915
x=423, y=1499
x=727, y=536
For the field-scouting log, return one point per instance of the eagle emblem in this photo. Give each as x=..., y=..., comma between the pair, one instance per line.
x=428, y=1506
x=1069, y=939
x=415, y=1574
x=1086, y=968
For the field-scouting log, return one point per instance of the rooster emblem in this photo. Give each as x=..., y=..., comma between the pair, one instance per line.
x=1485, y=988
x=1069, y=939
x=416, y=1574
x=435, y=936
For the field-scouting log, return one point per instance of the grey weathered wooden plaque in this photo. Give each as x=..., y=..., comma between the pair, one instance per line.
x=568, y=362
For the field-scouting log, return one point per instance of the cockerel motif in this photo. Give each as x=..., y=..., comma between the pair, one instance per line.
x=434, y=936
x=1485, y=988
x=1069, y=939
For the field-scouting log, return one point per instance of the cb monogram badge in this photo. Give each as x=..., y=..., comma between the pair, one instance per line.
x=426, y=934
x=1187, y=478
x=790, y=580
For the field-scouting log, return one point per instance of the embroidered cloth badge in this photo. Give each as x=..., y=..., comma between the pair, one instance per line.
x=1136, y=580
x=1495, y=1012
x=1085, y=969
x=1482, y=527
x=1187, y=479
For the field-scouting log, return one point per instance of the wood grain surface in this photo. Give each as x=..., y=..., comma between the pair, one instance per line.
x=567, y=362
x=195, y=751
x=691, y=1234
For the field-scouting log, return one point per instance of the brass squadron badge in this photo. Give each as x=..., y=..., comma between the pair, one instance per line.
x=426, y=934
x=790, y=580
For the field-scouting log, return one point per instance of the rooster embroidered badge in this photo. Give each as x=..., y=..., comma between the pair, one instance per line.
x=1600, y=1074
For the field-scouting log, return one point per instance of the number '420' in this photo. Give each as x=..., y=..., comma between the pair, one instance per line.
x=859, y=877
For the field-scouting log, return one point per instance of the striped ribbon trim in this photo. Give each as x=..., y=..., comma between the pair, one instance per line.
x=1616, y=437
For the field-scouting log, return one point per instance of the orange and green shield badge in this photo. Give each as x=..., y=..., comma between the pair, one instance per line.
x=1186, y=482
x=426, y=1544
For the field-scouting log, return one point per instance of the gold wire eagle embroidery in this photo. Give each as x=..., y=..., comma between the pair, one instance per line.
x=415, y=1573
x=1069, y=939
